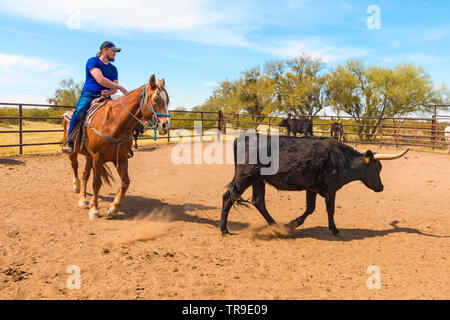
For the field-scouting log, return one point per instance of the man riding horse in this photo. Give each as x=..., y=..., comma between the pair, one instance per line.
x=101, y=80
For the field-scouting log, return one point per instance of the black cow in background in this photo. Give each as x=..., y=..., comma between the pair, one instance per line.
x=337, y=131
x=138, y=129
x=297, y=126
x=318, y=165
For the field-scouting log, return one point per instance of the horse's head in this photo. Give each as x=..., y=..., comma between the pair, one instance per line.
x=156, y=105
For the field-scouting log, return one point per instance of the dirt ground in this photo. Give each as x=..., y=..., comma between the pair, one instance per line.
x=165, y=243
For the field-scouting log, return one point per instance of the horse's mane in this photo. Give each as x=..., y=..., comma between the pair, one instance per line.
x=118, y=103
x=161, y=88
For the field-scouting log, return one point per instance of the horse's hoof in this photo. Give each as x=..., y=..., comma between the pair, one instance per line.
x=76, y=185
x=111, y=211
x=94, y=214
x=83, y=203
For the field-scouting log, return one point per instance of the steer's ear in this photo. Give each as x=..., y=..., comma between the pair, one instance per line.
x=368, y=157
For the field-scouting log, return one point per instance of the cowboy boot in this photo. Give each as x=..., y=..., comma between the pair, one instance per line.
x=67, y=147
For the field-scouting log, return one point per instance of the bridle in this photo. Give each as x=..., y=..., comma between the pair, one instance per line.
x=120, y=141
x=156, y=115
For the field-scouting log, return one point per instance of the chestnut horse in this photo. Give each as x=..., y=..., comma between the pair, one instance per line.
x=109, y=139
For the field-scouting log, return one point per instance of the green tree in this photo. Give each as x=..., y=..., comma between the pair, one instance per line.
x=255, y=94
x=369, y=94
x=224, y=97
x=67, y=94
x=299, y=85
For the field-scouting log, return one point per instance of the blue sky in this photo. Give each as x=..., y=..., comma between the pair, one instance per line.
x=195, y=44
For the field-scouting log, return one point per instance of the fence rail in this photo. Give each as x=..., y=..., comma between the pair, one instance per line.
x=388, y=131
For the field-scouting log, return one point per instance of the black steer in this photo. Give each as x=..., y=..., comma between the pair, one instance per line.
x=297, y=126
x=138, y=129
x=337, y=131
x=318, y=165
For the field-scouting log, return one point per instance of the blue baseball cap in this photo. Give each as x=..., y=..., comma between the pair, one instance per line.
x=109, y=44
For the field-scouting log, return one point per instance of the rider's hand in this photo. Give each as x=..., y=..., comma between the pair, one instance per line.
x=104, y=93
x=124, y=91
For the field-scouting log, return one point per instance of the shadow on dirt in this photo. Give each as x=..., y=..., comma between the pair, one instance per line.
x=323, y=233
x=11, y=162
x=145, y=149
x=140, y=208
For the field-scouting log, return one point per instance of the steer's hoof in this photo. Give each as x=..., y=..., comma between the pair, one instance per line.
x=94, y=214
x=335, y=232
x=83, y=203
x=292, y=225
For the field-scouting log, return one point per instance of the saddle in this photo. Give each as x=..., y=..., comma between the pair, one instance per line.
x=78, y=135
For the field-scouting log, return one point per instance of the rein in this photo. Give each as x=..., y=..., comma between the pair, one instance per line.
x=152, y=125
x=155, y=114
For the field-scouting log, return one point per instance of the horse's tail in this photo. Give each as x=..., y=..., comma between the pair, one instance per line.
x=106, y=174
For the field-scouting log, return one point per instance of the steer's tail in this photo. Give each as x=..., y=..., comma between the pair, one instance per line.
x=235, y=195
x=106, y=174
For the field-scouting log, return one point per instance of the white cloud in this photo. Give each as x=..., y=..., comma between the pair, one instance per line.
x=10, y=61
x=417, y=58
x=23, y=98
x=33, y=75
x=211, y=84
x=205, y=21
x=315, y=47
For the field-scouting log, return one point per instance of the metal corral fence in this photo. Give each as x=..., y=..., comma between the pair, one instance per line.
x=388, y=131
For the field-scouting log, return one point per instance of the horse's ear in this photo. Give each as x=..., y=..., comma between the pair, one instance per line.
x=152, y=81
x=162, y=83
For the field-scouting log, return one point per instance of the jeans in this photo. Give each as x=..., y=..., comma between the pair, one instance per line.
x=83, y=104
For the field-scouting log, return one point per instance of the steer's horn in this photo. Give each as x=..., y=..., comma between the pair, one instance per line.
x=383, y=156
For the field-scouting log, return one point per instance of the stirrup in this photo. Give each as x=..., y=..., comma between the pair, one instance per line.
x=67, y=148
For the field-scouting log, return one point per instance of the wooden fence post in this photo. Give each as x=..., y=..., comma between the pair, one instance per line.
x=415, y=131
x=433, y=130
x=219, y=124
x=201, y=119
x=381, y=132
x=20, y=129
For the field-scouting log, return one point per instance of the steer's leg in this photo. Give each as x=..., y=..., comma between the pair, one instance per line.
x=329, y=200
x=259, y=192
x=235, y=190
x=310, y=207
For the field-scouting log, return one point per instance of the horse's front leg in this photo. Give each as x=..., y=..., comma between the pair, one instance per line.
x=97, y=166
x=125, y=182
x=76, y=180
x=83, y=202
